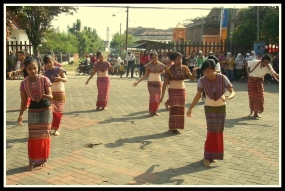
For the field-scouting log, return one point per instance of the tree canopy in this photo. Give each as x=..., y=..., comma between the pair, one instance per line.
x=246, y=32
x=36, y=20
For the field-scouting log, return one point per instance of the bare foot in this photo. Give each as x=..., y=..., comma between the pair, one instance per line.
x=56, y=133
x=97, y=108
x=103, y=108
x=30, y=167
x=207, y=163
x=43, y=165
x=166, y=105
x=213, y=160
x=156, y=114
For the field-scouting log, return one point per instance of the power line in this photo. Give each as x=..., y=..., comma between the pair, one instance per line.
x=166, y=8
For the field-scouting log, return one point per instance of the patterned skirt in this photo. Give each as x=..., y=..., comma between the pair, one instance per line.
x=176, y=108
x=256, y=95
x=57, y=103
x=39, y=123
x=103, y=86
x=214, y=144
x=155, y=90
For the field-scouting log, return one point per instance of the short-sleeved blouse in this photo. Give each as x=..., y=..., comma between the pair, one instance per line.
x=35, y=88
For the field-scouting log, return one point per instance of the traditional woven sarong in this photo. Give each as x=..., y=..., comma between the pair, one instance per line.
x=103, y=86
x=154, y=89
x=39, y=123
x=256, y=94
x=58, y=101
x=176, y=110
x=214, y=144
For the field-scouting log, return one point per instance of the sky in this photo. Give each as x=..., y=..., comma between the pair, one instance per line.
x=100, y=18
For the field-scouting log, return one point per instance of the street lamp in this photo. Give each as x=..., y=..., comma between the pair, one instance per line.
x=127, y=28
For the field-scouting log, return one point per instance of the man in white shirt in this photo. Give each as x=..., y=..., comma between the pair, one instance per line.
x=117, y=63
x=130, y=59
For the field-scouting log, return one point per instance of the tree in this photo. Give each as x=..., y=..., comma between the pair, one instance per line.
x=269, y=26
x=88, y=39
x=36, y=20
x=246, y=32
x=60, y=42
x=119, y=41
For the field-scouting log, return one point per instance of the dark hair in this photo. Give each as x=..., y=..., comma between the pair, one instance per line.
x=98, y=53
x=174, y=55
x=209, y=63
x=153, y=52
x=213, y=58
x=46, y=57
x=266, y=57
x=22, y=52
x=50, y=52
x=28, y=60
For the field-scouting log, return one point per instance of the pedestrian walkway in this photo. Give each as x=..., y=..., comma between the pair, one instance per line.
x=124, y=146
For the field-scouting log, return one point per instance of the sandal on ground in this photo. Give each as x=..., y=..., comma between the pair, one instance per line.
x=98, y=108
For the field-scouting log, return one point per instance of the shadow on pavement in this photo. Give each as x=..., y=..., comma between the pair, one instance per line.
x=230, y=123
x=79, y=112
x=165, y=177
x=144, y=140
x=11, y=111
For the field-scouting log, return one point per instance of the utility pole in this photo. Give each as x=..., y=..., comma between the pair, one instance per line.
x=127, y=28
x=257, y=23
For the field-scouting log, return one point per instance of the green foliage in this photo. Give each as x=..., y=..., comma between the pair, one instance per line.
x=60, y=42
x=246, y=32
x=36, y=20
x=88, y=39
x=119, y=41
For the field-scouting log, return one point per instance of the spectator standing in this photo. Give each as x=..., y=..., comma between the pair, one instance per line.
x=130, y=59
x=199, y=61
x=230, y=64
x=239, y=65
x=117, y=64
x=11, y=61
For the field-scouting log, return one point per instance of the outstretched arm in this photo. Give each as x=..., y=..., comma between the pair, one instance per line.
x=194, y=102
x=142, y=78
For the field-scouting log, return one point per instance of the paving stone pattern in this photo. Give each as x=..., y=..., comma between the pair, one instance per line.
x=130, y=148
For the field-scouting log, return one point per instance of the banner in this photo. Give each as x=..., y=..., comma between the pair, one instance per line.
x=224, y=18
x=224, y=23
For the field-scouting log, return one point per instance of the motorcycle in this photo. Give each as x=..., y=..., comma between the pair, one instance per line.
x=84, y=69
